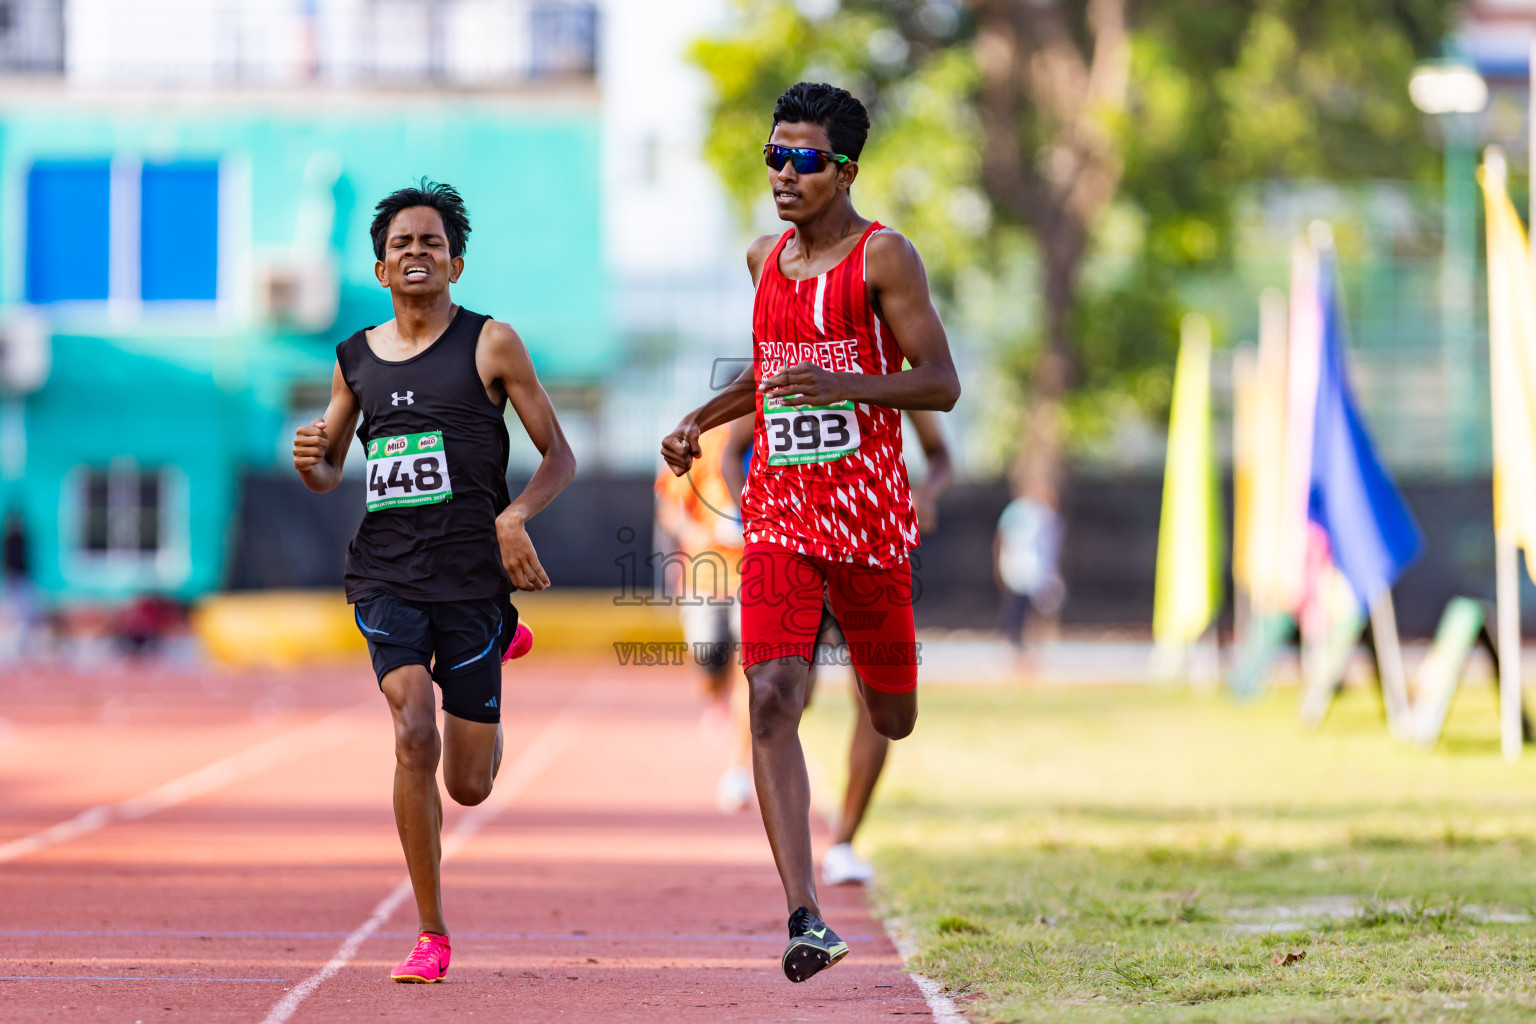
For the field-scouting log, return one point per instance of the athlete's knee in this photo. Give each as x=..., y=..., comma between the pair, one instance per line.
x=467, y=791
x=417, y=745
x=893, y=717
x=894, y=724
x=777, y=695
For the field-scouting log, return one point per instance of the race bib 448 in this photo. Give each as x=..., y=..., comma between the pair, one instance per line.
x=815, y=434
x=408, y=469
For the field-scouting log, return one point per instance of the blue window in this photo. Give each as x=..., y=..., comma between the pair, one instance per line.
x=69, y=230
x=179, y=231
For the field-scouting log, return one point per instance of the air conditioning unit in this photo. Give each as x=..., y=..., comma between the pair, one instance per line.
x=299, y=295
x=26, y=352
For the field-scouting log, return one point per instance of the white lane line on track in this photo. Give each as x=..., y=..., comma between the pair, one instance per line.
x=514, y=780
x=944, y=1009
x=327, y=732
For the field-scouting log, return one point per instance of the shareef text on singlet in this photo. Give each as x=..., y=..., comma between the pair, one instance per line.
x=811, y=488
x=798, y=435
x=408, y=469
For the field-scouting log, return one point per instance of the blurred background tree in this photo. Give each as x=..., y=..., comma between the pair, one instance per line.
x=1047, y=137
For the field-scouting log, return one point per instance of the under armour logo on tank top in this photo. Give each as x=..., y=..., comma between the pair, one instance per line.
x=830, y=481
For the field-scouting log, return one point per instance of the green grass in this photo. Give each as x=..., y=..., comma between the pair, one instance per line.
x=1104, y=855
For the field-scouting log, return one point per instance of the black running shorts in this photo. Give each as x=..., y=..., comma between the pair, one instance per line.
x=460, y=641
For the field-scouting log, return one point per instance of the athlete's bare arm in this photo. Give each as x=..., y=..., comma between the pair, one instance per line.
x=504, y=364
x=736, y=399
x=898, y=290
x=737, y=443
x=941, y=468
x=320, y=448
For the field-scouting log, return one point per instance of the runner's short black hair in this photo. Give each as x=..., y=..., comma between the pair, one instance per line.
x=445, y=199
x=836, y=110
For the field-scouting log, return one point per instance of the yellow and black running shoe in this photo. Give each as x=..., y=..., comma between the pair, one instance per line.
x=813, y=947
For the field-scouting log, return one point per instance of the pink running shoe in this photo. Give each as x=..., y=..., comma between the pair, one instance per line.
x=522, y=643
x=427, y=963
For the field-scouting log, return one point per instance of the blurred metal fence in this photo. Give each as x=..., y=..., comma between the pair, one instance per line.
x=32, y=37
x=456, y=43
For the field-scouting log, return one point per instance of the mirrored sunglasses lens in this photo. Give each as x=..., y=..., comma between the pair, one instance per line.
x=807, y=161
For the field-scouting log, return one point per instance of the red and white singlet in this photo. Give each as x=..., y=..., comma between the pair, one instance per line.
x=827, y=482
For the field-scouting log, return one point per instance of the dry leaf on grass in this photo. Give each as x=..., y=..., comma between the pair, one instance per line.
x=1286, y=959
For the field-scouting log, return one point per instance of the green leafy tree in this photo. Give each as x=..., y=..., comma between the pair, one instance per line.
x=1119, y=129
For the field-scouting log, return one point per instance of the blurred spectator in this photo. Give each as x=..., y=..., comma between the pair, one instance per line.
x=1025, y=555
x=17, y=565
x=20, y=614
x=143, y=627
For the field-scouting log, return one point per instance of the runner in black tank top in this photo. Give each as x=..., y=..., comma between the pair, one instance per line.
x=442, y=544
x=424, y=546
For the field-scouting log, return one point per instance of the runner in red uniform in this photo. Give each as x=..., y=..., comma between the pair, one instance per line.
x=827, y=513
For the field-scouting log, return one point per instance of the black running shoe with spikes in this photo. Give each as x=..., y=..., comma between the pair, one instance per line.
x=813, y=947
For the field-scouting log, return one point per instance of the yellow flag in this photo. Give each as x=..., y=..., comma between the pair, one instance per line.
x=1512, y=359
x=1258, y=461
x=1188, y=591
x=1246, y=456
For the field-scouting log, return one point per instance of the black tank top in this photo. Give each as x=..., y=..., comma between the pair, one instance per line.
x=436, y=449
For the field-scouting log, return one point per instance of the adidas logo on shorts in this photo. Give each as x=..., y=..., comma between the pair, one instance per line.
x=491, y=703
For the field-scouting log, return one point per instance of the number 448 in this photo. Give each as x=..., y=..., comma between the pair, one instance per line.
x=426, y=478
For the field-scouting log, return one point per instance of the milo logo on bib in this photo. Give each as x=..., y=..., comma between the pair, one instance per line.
x=410, y=470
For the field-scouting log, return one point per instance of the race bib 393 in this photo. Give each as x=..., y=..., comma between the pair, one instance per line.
x=797, y=435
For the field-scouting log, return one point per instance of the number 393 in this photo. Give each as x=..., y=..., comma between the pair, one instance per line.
x=811, y=435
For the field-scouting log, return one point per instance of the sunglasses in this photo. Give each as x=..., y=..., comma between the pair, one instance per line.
x=806, y=161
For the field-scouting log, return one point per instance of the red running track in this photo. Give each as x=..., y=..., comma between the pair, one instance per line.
x=198, y=847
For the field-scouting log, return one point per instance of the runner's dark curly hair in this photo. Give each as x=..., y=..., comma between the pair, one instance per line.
x=836, y=110
x=445, y=199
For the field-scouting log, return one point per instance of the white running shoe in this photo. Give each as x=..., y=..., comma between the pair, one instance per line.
x=733, y=793
x=841, y=866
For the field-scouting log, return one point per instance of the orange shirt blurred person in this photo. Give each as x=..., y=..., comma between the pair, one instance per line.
x=696, y=510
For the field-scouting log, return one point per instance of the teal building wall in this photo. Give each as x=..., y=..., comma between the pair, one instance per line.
x=210, y=392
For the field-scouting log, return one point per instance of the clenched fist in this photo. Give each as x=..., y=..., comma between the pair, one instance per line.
x=310, y=445
x=681, y=447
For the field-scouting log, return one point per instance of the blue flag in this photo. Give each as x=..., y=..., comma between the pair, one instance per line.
x=1373, y=535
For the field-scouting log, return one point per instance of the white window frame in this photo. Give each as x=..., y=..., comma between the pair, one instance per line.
x=124, y=309
x=126, y=566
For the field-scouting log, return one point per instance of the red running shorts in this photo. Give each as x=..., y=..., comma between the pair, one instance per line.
x=781, y=602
